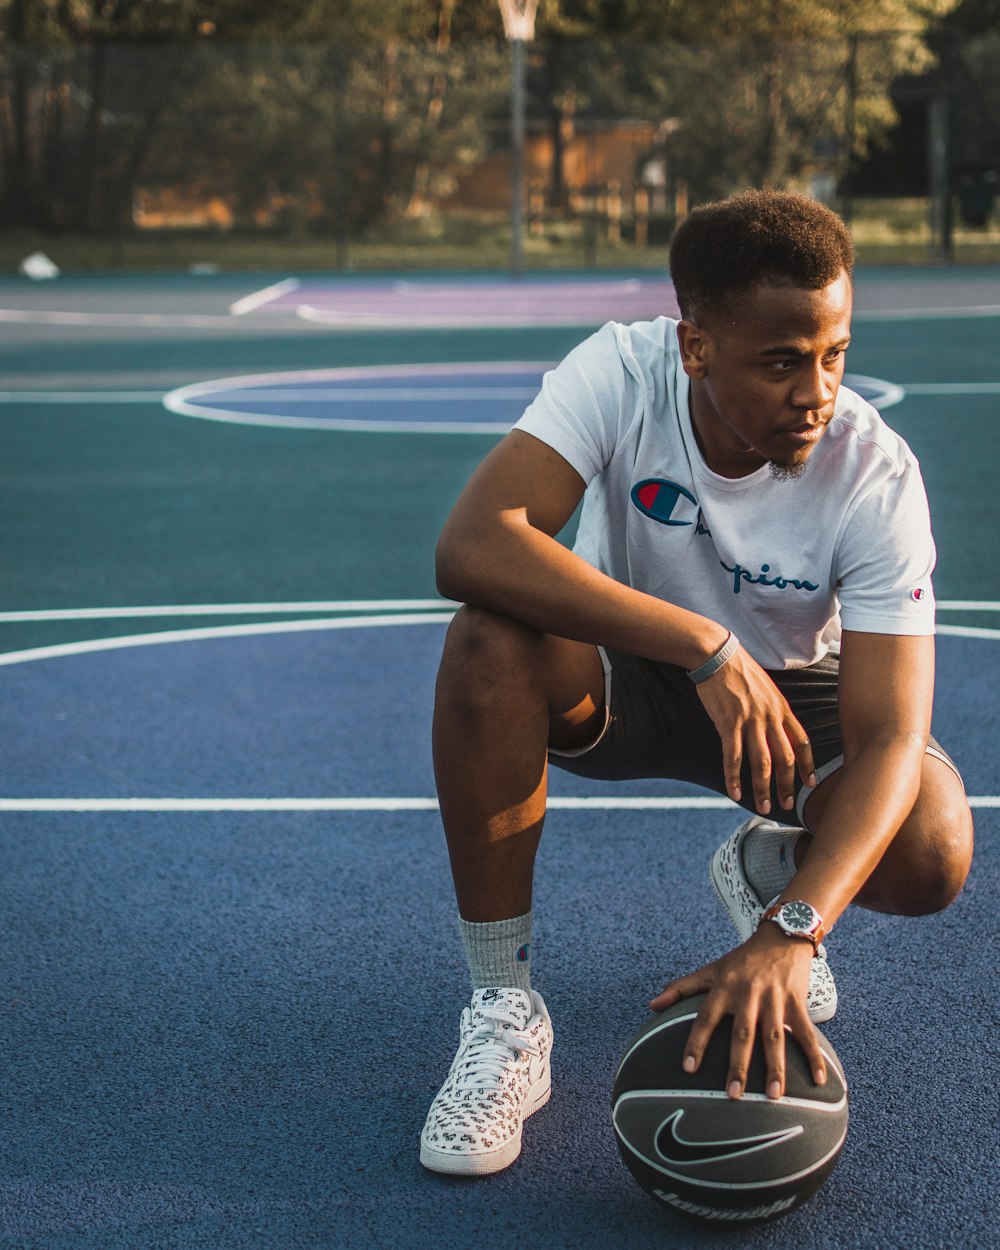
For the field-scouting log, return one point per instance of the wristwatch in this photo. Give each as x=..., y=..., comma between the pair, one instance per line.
x=797, y=920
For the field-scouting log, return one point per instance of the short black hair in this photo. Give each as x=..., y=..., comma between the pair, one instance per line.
x=724, y=249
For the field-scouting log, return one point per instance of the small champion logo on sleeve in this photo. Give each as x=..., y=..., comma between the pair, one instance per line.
x=918, y=593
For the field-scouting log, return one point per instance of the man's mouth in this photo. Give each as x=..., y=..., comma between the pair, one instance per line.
x=807, y=432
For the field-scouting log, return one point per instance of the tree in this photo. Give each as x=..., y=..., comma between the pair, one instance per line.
x=359, y=108
x=235, y=94
x=74, y=114
x=758, y=91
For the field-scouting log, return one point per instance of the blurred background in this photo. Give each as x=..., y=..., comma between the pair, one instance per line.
x=388, y=134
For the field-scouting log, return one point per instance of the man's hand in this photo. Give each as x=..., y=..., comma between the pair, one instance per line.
x=755, y=723
x=762, y=985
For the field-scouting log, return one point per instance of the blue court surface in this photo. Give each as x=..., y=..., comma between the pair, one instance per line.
x=231, y=970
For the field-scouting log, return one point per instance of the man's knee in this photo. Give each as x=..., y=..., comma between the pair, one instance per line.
x=926, y=867
x=486, y=657
x=947, y=856
x=493, y=664
x=488, y=640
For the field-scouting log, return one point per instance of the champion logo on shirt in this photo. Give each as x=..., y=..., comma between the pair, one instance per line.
x=741, y=575
x=659, y=498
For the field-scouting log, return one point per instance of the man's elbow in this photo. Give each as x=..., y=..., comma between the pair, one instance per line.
x=454, y=566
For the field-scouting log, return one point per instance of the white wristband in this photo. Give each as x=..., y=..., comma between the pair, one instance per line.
x=716, y=661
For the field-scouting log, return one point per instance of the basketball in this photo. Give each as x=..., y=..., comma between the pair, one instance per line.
x=694, y=1149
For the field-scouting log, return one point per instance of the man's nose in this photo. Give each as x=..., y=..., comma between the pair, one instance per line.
x=816, y=388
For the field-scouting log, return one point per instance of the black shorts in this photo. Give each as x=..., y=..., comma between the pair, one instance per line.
x=657, y=727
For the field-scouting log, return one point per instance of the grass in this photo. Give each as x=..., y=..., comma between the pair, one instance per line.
x=885, y=232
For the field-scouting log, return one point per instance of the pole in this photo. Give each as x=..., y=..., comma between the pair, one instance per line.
x=850, y=129
x=340, y=155
x=940, y=169
x=517, y=157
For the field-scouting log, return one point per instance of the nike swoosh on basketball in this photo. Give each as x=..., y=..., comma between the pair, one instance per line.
x=673, y=1148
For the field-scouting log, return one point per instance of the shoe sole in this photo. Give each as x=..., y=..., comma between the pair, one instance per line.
x=818, y=1015
x=485, y=1164
x=744, y=929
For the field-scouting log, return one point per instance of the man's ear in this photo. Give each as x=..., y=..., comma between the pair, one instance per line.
x=696, y=344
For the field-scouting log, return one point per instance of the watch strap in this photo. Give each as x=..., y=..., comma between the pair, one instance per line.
x=815, y=937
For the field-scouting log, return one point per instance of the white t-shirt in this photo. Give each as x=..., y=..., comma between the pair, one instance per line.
x=783, y=564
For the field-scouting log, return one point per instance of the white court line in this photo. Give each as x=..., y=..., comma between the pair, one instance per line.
x=925, y=314
x=40, y=316
x=406, y=320
x=377, y=395
x=350, y=319
x=446, y=288
x=362, y=804
x=81, y=397
x=225, y=609
x=91, y=645
x=329, y=605
x=347, y=318
x=952, y=388
x=968, y=631
x=249, y=303
x=336, y=395
x=249, y=395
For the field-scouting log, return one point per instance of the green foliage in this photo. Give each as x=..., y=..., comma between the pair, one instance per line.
x=331, y=114
x=298, y=130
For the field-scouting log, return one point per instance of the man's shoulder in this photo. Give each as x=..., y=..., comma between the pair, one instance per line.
x=642, y=354
x=621, y=355
x=865, y=433
x=644, y=338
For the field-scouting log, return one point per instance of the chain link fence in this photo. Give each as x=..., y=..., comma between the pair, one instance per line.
x=347, y=145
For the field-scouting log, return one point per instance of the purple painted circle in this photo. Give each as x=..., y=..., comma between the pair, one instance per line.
x=485, y=398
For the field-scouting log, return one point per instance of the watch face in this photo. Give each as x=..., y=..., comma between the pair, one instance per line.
x=798, y=916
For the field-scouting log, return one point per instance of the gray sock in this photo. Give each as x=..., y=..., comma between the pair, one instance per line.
x=499, y=952
x=769, y=859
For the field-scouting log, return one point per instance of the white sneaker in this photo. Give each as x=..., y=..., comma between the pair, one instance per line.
x=745, y=908
x=499, y=1077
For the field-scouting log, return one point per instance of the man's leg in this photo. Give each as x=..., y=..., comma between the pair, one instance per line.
x=504, y=694
x=926, y=865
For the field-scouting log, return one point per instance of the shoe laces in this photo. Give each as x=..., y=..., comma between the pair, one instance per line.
x=493, y=1049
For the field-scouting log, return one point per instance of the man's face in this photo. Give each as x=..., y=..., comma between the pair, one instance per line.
x=765, y=375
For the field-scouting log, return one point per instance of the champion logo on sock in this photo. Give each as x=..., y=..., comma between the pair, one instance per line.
x=524, y=953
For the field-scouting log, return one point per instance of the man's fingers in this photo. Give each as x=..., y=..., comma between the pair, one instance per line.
x=682, y=987
x=805, y=1034
x=732, y=763
x=802, y=747
x=760, y=768
x=740, y=1051
x=705, y=1024
x=783, y=765
x=772, y=1032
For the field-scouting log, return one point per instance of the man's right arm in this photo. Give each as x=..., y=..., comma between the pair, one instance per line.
x=499, y=550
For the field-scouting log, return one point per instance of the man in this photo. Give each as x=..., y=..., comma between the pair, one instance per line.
x=748, y=606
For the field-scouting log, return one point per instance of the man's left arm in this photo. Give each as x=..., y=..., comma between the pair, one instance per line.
x=885, y=693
